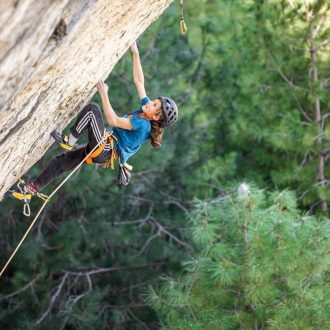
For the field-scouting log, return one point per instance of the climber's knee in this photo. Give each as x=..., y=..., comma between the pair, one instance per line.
x=94, y=107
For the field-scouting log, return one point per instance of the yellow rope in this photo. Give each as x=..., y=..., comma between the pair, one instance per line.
x=46, y=200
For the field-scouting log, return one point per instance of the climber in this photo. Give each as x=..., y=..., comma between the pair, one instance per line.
x=123, y=140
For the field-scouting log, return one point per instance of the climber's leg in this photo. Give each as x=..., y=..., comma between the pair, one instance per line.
x=57, y=166
x=90, y=119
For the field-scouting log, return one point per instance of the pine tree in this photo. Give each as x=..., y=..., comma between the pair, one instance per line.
x=259, y=264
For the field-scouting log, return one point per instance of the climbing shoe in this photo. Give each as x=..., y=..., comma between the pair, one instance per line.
x=22, y=196
x=62, y=140
x=23, y=193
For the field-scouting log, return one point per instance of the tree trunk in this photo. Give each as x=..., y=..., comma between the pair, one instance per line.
x=320, y=176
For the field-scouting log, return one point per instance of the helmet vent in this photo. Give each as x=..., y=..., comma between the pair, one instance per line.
x=170, y=111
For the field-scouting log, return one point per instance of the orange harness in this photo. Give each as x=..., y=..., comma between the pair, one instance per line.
x=108, y=137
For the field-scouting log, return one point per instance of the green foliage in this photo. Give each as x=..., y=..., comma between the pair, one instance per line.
x=242, y=81
x=256, y=87
x=258, y=263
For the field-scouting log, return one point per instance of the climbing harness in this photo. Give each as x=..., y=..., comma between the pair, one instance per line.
x=124, y=174
x=46, y=200
x=108, y=137
x=183, y=26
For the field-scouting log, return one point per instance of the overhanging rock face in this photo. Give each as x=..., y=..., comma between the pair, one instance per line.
x=52, y=53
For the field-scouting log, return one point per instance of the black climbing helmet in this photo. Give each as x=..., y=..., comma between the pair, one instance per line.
x=170, y=111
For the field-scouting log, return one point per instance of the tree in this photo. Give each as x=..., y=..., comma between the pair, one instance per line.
x=259, y=90
x=259, y=263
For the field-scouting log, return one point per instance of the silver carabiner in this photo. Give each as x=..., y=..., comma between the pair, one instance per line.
x=26, y=209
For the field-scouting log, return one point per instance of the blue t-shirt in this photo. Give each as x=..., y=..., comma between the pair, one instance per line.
x=130, y=141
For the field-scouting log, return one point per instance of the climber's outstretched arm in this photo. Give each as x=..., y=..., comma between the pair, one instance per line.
x=110, y=115
x=137, y=71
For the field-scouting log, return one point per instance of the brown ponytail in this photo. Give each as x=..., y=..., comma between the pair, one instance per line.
x=156, y=134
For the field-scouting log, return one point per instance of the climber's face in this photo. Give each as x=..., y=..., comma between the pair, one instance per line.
x=152, y=109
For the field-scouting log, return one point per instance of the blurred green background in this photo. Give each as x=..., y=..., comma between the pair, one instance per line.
x=179, y=248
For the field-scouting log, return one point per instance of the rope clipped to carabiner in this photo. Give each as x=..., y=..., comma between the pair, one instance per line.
x=183, y=26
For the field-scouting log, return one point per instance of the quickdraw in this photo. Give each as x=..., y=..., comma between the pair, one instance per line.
x=183, y=26
x=25, y=195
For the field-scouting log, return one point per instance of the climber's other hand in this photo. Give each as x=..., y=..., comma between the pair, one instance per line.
x=102, y=88
x=134, y=48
